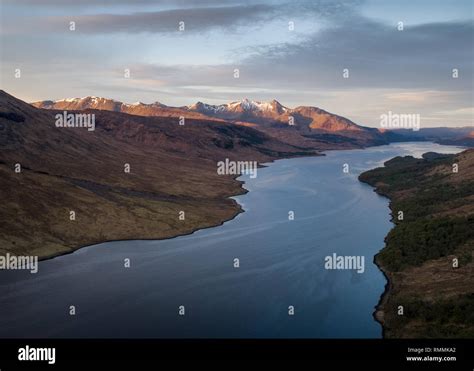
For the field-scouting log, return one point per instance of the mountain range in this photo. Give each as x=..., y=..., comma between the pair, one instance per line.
x=304, y=126
x=244, y=111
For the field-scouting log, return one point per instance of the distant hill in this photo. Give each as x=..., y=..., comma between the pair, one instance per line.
x=462, y=136
x=462, y=140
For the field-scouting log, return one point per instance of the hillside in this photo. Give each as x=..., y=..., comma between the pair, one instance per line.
x=172, y=169
x=437, y=227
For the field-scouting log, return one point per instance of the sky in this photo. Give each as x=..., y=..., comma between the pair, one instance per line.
x=349, y=57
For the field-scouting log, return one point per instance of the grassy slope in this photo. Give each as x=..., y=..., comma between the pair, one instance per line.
x=437, y=226
x=173, y=169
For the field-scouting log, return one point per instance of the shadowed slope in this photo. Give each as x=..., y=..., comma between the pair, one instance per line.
x=172, y=169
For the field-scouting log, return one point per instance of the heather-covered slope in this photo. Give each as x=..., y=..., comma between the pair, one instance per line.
x=437, y=298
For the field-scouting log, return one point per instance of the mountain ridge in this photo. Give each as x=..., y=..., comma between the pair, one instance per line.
x=305, y=126
x=245, y=109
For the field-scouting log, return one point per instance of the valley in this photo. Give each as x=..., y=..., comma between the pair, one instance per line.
x=172, y=169
x=143, y=175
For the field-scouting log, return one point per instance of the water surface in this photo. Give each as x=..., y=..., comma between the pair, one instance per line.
x=281, y=265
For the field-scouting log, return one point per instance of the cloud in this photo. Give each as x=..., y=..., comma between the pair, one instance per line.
x=406, y=70
x=376, y=55
x=417, y=97
x=195, y=20
x=409, y=71
x=164, y=17
x=80, y=3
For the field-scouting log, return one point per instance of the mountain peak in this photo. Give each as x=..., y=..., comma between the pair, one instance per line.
x=91, y=98
x=251, y=105
x=243, y=105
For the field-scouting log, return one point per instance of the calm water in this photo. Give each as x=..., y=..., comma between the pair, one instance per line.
x=281, y=265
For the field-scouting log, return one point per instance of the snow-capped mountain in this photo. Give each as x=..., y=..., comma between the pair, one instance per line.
x=299, y=123
x=91, y=102
x=105, y=104
x=239, y=110
x=245, y=105
x=273, y=112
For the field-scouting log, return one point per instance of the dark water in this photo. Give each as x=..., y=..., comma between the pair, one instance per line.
x=281, y=265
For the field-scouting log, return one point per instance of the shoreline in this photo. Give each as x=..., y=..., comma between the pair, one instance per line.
x=379, y=314
x=238, y=210
x=237, y=207
x=399, y=285
x=380, y=310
